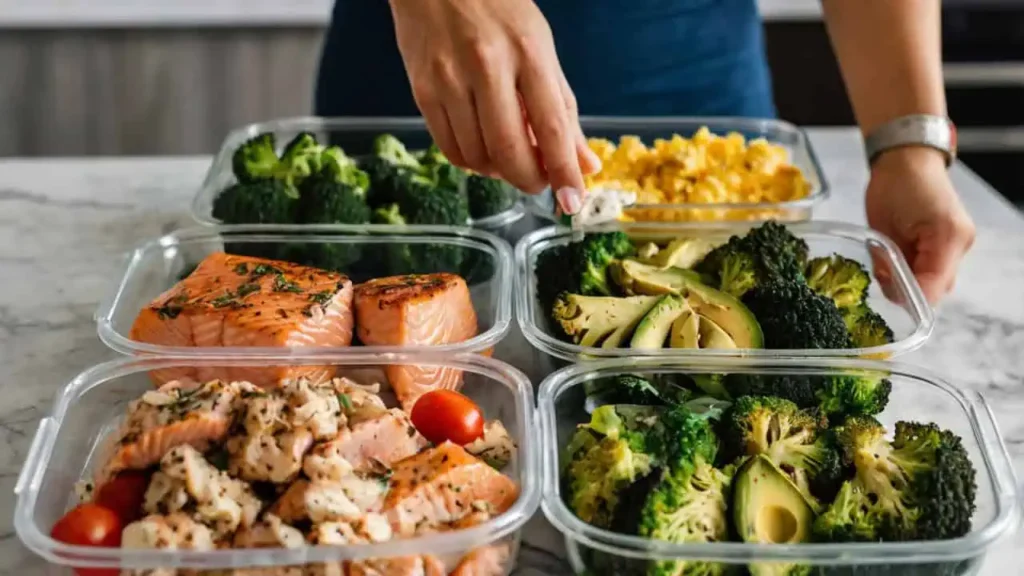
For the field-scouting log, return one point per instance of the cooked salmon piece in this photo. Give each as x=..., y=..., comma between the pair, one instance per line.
x=489, y=560
x=420, y=310
x=232, y=300
x=366, y=445
x=171, y=416
x=402, y=566
x=442, y=485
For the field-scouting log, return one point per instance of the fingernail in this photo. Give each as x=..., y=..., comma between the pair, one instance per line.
x=570, y=199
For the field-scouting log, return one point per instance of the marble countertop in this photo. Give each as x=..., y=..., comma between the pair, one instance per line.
x=64, y=222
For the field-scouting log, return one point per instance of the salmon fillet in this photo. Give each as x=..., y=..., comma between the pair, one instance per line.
x=383, y=439
x=442, y=485
x=242, y=301
x=422, y=310
x=489, y=560
x=171, y=416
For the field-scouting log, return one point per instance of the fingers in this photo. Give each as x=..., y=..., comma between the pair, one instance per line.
x=939, y=252
x=588, y=160
x=441, y=131
x=556, y=136
x=505, y=135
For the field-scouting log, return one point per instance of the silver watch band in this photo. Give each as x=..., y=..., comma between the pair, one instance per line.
x=916, y=130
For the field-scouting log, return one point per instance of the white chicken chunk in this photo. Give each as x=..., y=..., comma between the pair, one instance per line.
x=315, y=408
x=273, y=458
x=221, y=502
x=318, y=501
x=175, y=531
x=495, y=447
x=370, y=528
x=270, y=532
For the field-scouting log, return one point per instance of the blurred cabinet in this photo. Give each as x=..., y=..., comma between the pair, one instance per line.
x=148, y=92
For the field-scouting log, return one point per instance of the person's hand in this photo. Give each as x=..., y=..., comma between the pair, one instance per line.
x=485, y=76
x=911, y=200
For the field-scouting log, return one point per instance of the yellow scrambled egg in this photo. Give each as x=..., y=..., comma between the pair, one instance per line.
x=704, y=169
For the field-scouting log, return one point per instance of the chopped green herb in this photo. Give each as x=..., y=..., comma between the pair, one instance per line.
x=322, y=297
x=283, y=285
x=264, y=269
x=226, y=299
x=242, y=269
x=248, y=288
x=345, y=401
x=169, y=311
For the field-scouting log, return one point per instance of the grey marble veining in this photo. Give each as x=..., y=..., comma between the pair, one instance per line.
x=65, y=223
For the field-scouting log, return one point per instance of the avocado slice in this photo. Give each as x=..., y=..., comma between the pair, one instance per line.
x=618, y=337
x=635, y=277
x=767, y=507
x=589, y=320
x=686, y=330
x=682, y=253
x=653, y=330
x=713, y=336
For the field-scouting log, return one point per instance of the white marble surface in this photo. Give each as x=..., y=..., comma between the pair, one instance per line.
x=63, y=222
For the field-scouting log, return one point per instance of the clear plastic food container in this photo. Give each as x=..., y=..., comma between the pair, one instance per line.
x=790, y=137
x=153, y=267
x=64, y=451
x=354, y=135
x=904, y=308
x=916, y=395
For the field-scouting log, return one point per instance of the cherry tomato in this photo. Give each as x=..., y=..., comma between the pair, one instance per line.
x=90, y=525
x=442, y=415
x=124, y=495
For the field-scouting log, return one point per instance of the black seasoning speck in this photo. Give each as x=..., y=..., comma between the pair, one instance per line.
x=282, y=313
x=242, y=269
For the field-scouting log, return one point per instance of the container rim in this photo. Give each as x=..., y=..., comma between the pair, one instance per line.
x=994, y=457
x=538, y=240
x=29, y=482
x=208, y=190
x=468, y=237
x=820, y=187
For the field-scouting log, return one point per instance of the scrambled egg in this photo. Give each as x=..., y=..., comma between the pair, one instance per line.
x=704, y=169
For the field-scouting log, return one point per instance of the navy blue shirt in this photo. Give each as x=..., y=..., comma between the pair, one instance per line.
x=621, y=57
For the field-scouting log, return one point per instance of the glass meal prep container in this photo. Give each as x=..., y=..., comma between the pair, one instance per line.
x=916, y=396
x=65, y=451
x=904, y=309
x=155, y=266
x=793, y=139
x=354, y=135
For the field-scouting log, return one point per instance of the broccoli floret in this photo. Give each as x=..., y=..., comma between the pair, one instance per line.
x=422, y=202
x=792, y=316
x=836, y=396
x=433, y=156
x=488, y=196
x=920, y=486
x=389, y=214
x=843, y=280
x=590, y=320
x=256, y=159
x=633, y=389
x=867, y=328
x=601, y=469
x=325, y=200
x=389, y=169
x=795, y=440
x=768, y=252
x=259, y=202
x=854, y=394
x=301, y=157
x=590, y=258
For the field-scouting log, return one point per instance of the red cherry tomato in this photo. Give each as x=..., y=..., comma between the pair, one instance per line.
x=442, y=415
x=124, y=495
x=90, y=525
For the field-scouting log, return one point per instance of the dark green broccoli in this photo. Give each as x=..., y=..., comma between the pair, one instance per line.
x=842, y=279
x=836, y=396
x=433, y=156
x=590, y=258
x=792, y=316
x=633, y=389
x=390, y=167
x=256, y=159
x=867, y=328
x=301, y=157
x=389, y=214
x=449, y=177
x=765, y=253
x=259, y=202
x=920, y=486
x=795, y=440
x=488, y=196
x=552, y=277
x=422, y=202
x=326, y=200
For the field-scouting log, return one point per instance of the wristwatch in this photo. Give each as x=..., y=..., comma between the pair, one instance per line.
x=936, y=132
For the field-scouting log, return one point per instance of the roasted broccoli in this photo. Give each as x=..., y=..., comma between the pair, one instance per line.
x=792, y=316
x=766, y=253
x=867, y=328
x=488, y=196
x=842, y=279
x=256, y=159
x=920, y=486
x=795, y=440
x=590, y=258
x=836, y=396
x=633, y=389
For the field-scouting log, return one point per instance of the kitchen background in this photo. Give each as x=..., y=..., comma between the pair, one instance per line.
x=138, y=77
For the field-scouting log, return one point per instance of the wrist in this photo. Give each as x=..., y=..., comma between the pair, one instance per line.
x=916, y=157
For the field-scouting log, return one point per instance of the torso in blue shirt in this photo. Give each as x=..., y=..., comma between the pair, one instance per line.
x=621, y=57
